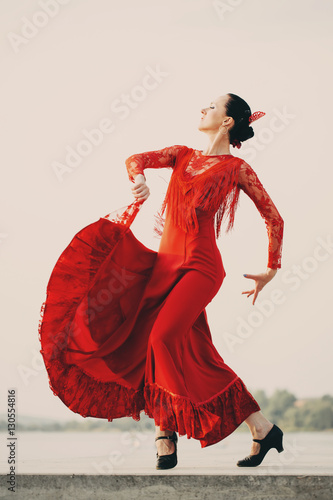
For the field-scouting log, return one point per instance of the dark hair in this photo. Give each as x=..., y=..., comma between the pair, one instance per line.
x=240, y=111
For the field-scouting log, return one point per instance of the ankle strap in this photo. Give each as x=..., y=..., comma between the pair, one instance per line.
x=164, y=437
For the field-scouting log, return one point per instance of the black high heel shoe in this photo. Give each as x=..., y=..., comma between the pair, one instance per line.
x=167, y=461
x=272, y=440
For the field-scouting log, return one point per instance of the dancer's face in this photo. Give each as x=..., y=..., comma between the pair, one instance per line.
x=214, y=115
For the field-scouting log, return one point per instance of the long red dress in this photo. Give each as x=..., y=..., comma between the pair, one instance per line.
x=124, y=329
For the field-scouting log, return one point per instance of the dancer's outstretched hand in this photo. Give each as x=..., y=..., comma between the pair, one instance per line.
x=140, y=189
x=260, y=281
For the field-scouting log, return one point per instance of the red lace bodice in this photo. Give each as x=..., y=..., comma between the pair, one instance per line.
x=217, y=191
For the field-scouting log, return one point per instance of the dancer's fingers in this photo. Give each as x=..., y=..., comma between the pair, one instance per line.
x=141, y=193
x=255, y=297
x=251, y=276
x=139, y=189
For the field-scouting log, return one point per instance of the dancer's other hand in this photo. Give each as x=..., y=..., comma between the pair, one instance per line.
x=260, y=281
x=140, y=189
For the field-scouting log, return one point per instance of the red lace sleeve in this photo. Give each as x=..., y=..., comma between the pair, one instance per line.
x=251, y=185
x=162, y=158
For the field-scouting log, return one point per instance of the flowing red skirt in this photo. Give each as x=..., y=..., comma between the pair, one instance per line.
x=124, y=329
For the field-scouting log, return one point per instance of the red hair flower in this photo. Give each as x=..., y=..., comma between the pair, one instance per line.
x=255, y=116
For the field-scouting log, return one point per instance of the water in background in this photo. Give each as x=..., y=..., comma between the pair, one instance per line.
x=134, y=452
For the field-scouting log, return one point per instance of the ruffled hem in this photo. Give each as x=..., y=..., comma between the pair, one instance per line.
x=91, y=397
x=209, y=421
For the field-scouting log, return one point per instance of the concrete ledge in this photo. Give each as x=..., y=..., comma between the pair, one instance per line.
x=170, y=487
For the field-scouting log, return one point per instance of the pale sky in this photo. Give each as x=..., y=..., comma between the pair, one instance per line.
x=68, y=75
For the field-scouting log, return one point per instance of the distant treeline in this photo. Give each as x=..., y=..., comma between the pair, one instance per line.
x=282, y=408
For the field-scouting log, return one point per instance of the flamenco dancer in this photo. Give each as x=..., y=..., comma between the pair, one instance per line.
x=124, y=329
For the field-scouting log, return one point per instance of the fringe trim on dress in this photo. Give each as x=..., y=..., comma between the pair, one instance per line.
x=215, y=190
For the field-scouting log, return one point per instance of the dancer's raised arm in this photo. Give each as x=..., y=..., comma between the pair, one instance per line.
x=135, y=164
x=162, y=158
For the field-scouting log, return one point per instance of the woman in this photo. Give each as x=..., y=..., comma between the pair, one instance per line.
x=124, y=328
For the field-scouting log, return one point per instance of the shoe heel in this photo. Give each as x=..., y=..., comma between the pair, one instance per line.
x=279, y=446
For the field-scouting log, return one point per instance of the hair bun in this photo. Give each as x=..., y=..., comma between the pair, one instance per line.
x=240, y=111
x=247, y=114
